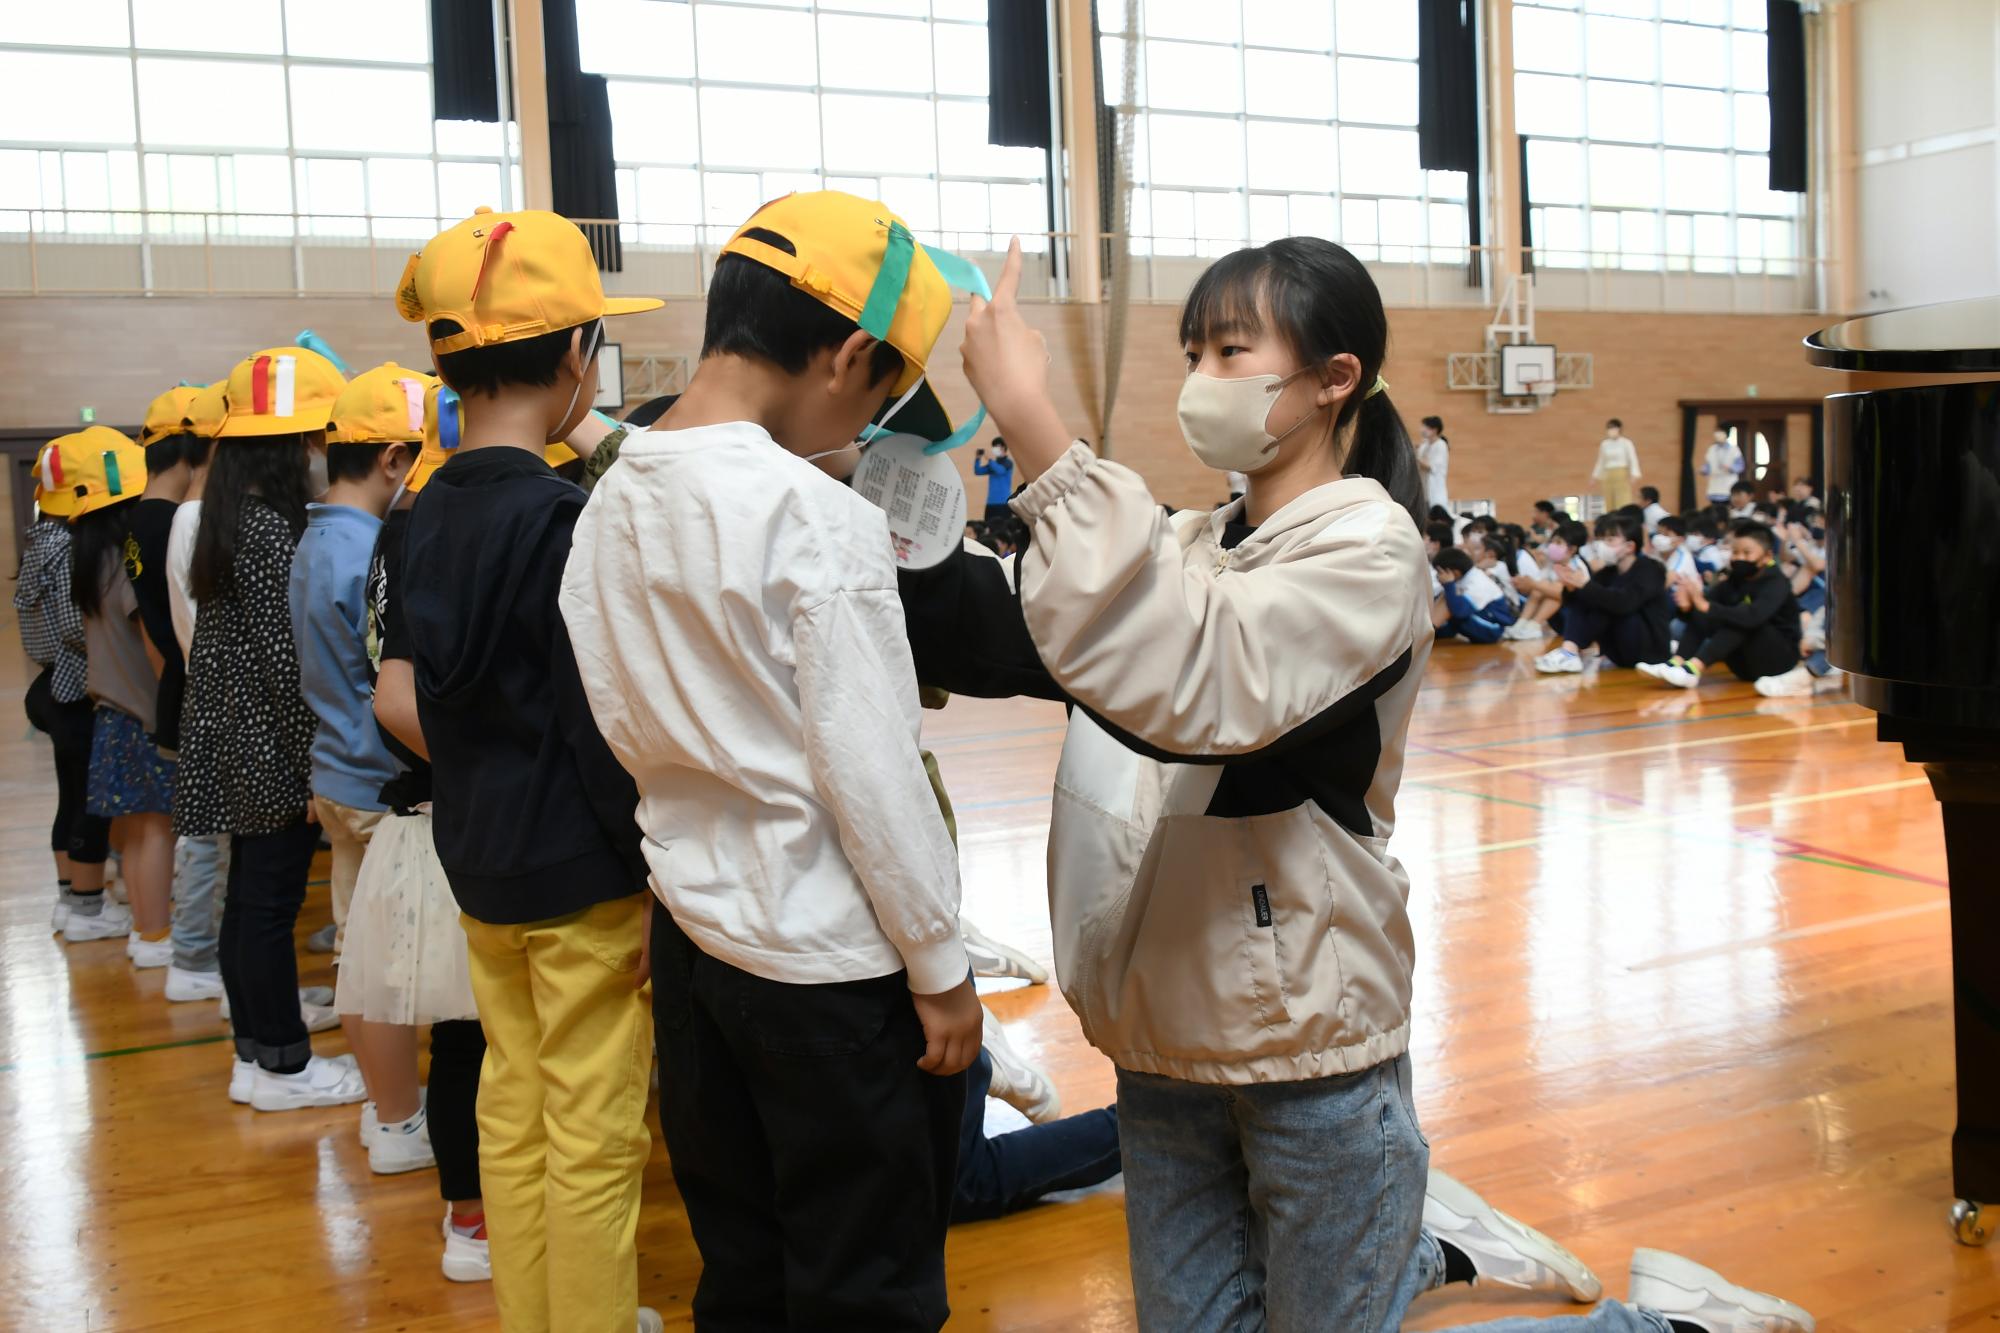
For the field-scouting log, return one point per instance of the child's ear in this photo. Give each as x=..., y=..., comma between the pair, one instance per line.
x=1340, y=377
x=852, y=363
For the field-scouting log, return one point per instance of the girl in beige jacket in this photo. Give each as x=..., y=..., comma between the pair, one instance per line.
x=1230, y=926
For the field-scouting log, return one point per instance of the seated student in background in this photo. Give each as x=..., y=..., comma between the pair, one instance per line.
x=1669, y=545
x=1475, y=608
x=1742, y=500
x=1802, y=496
x=1623, y=608
x=1546, y=517
x=1651, y=508
x=1749, y=621
x=1543, y=589
x=1704, y=539
x=1495, y=559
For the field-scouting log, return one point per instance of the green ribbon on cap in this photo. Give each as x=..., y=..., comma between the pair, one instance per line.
x=887, y=293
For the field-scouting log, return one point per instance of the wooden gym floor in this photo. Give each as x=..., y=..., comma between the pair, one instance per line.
x=1683, y=981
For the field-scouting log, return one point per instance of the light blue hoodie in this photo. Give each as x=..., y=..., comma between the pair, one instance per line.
x=330, y=625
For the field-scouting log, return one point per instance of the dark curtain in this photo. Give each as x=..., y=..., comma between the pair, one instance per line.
x=1107, y=142
x=1448, y=102
x=1017, y=74
x=1691, y=499
x=462, y=82
x=1786, y=56
x=583, y=177
x=1527, y=214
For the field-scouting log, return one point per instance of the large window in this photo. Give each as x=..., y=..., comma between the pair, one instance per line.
x=1258, y=120
x=720, y=106
x=1650, y=128
x=275, y=114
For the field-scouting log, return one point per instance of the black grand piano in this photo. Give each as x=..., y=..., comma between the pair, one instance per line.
x=1913, y=517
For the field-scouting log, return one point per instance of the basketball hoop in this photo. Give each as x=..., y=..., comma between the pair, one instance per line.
x=1542, y=387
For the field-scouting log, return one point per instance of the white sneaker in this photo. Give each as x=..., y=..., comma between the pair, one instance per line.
x=1015, y=1081
x=650, y=1321
x=1525, y=631
x=183, y=985
x=319, y=1017
x=394, y=1149
x=1652, y=669
x=60, y=916
x=991, y=958
x=242, y=1078
x=1507, y=1253
x=1676, y=675
x=148, y=953
x=1559, y=661
x=370, y=1122
x=1687, y=1293
x=1794, y=684
x=113, y=921
x=1833, y=682
x=325, y=1081
x=465, y=1259
x=321, y=940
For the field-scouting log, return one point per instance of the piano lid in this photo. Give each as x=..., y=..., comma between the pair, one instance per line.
x=1957, y=337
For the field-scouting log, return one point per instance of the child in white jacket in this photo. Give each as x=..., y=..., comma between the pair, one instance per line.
x=1229, y=924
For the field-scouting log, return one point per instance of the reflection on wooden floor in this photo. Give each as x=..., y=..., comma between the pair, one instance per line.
x=1683, y=982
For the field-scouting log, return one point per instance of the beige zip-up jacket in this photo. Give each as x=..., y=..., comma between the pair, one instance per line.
x=1225, y=906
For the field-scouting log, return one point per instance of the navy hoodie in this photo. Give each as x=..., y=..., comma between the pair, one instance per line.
x=532, y=815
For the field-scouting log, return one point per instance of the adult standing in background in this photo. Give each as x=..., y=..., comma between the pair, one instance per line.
x=1720, y=467
x=1617, y=466
x=999, y=474
x=1434, y=457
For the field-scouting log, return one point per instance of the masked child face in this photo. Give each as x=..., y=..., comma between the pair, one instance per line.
x=1248, y=400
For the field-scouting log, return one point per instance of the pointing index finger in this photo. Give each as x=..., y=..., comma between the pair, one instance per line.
x=1010, y=275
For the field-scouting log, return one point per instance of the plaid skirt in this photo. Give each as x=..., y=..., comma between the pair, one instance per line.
x=128, y=774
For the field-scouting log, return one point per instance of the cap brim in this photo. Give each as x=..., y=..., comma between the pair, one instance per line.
x=419, y=474
x=923, y=416
x=631, y=305
x=249, y=426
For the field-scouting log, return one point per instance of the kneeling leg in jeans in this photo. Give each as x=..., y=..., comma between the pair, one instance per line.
x=1289, y=1207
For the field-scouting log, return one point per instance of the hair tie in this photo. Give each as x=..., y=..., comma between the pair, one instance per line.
x=1379, y=386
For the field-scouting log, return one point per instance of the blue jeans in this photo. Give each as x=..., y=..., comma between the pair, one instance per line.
x=1289, y=1206
x=201, y=868
x=1009, y=1172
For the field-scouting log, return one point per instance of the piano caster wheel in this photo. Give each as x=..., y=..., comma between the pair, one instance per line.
x=1968, y=1225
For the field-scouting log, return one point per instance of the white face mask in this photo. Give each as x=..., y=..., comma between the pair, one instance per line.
x=1662, y=542
x=1223, y=420
x=1697, y=543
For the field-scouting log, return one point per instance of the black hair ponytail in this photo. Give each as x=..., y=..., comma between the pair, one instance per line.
x=1324, y=303
x=96, y=543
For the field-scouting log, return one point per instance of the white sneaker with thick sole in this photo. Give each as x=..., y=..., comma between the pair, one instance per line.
x=394, y=1149
x=325, y=1081
x=319, y=1017
x=148, y=953
x=184, y=986
x=1687, y=1293
x=465, y=1259
x=1559, y=662
x=1676, y=675
x=113, y=921
x=1525, y=631
x=1794, y=684
x=650, y=1321
x=1015, y=1081
x=1507, y=1252
x=242, y=1078
x=991, y=958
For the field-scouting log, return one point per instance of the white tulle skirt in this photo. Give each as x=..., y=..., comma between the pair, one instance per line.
x=403, y=960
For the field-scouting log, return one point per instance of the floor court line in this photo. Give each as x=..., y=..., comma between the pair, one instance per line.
x=1786, y=936
x=83, y=1057
x=1629, y=726
x=1551, y=761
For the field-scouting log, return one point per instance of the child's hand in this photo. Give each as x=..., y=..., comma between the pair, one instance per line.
x=1008, y=364
x=1447, y=576
x=1524, y=583
x=952, y=1023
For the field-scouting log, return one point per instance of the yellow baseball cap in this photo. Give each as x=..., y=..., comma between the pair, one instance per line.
x=444, y=417
x=381, y=406
x=503, y=277
x=168, y=415
x=90, y=470
x=208, y=409
x=280, y=391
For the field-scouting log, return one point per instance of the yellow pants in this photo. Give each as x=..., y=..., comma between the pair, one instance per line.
x=562, y=1114
x=1617, y=487
x=347, y=832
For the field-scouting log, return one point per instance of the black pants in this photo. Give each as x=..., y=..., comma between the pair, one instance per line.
x=260, y=964
x=1750, y=654
x=84, y=836
x=815, y=1159
x=1626, y=640
x=457, y=1051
